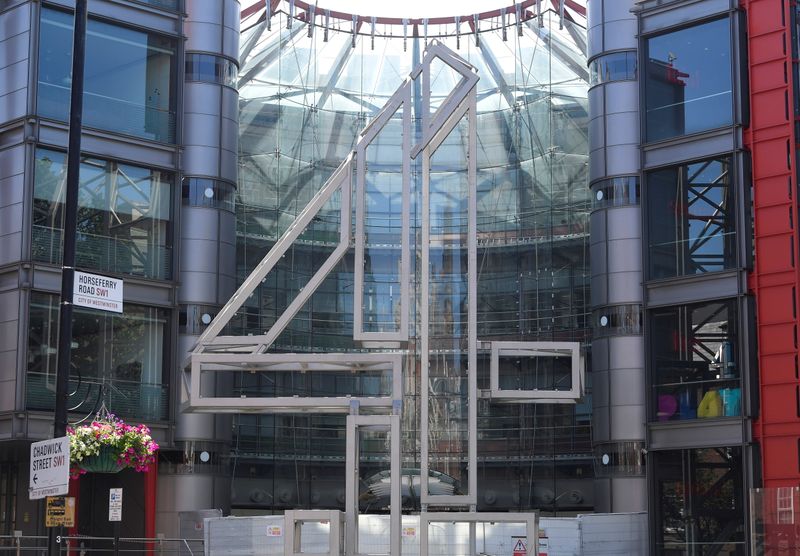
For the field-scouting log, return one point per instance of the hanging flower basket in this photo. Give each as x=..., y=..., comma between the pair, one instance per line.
x=108, y=445
x=103, y=462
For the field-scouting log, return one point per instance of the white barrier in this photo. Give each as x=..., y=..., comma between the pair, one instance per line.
x=585, y=535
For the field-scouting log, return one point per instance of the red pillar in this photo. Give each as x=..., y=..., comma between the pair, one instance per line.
x=775, y=279
x=75, y=492
x=150, y=491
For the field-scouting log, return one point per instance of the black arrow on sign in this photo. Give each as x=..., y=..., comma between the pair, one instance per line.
x=35, y=478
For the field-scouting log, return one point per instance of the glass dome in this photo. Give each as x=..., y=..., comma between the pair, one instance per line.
x=306, y=91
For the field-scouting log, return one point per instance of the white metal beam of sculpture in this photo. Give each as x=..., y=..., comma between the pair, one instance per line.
x=214, y=352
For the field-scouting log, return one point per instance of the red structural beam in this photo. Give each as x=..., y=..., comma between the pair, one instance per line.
x=150, y=495
x=775, y=277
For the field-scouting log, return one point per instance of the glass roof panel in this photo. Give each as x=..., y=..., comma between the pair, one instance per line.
x=337, y=70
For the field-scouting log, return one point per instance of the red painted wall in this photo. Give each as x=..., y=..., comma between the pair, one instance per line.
x=775, y=277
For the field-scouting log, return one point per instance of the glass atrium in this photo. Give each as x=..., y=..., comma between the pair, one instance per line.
x=306, y=92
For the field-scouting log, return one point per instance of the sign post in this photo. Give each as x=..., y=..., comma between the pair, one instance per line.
x=49, y=471
x=70, y=229
x=115, y=514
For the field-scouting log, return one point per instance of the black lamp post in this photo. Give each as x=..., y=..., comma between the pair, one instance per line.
x=70, y=226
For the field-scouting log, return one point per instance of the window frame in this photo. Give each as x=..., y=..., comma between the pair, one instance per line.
x=630, y=56
x=735, y=72
x=168, y=339
x=739, y=202
x=176, y=73
x=222, y=67
x=741, y=363
x=690, y=453
x=170, y=176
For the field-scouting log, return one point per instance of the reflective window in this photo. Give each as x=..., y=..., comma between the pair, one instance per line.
x=129, y=78
x=534, y=372
x=615, y=192
x=699, y=501
x=617, y=320
x=116, y=358
x=691, y=219
x=312, y=383
x=124, y=216
x=618, y=66
x=207, y=192
x=615, y=459
x=211, y=69
x=688, y=80
x=172, y=5
x=301, y=113
x=9, y=477
x=694, y=360
x=193, y=319
x=774, y=518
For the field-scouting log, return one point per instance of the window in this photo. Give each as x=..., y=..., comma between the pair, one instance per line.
x=9, y=471
x=696, y=371
x=116, y=358
x=691, y=219
x=615, y=192
x=172, y=5
x=211, y=69
x=616, y=459
x=688, y=80
x=208, y=192
x=129, y=84
x=124, y=216
x=699, y=501
x=617, y=320
x=617, y=66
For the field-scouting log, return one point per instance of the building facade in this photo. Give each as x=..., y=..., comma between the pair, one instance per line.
x=158, y=171
x=655, y=137
x=180, y=201
x=306, y=92
x=692, y=131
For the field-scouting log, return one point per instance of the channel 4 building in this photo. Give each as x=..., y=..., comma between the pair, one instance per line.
x=521, y=280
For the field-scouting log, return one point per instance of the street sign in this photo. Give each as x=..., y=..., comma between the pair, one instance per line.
x=60, y=511
x=49, y=472
x=115, y=504
x=97, y=292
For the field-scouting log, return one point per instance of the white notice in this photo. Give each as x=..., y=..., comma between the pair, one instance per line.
x=115, y=504
x=97, y=292
x=49, y=472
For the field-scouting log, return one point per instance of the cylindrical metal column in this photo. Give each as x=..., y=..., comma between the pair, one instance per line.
x=618, y=355
x=207, y=268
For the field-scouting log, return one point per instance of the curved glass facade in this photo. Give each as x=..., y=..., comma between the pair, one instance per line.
x=304, y=101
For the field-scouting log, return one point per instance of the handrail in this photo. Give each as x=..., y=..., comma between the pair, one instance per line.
x=73, y=544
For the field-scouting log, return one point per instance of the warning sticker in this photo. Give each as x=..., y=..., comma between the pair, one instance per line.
x=59, y=511
x=519, y=548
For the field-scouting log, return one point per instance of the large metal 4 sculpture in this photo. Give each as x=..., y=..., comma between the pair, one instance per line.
x=214, y=352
